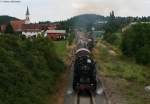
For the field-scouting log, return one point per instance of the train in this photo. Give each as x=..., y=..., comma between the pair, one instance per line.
x=84, y=77
x=90, y=44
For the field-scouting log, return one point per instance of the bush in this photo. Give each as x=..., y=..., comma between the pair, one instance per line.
x=28, y=69
x=111, y=38
x=71, y=38
x=136, y=43
x=125, y=70
x=119, y=67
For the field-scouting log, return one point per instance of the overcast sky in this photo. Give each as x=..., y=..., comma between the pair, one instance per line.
x=54, y=10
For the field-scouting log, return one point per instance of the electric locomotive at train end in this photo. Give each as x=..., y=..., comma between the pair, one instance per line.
x=84, y=77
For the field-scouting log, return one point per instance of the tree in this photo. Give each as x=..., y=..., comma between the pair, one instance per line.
x=136, y=44
x=9, y=29
x=112, y=14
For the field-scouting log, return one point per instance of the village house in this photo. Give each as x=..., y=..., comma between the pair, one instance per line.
x=3, y=28
x=56, y=34
x=34, y=29
x=17, y=25
x=31, y=30
x=28, y=29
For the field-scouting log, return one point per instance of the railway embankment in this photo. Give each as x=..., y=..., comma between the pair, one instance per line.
x=28, y=69
x=123, y=79
x=65, y=52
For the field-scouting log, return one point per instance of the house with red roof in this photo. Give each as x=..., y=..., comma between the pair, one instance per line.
x=29, y=29
x=17, y=25
x=56, y=34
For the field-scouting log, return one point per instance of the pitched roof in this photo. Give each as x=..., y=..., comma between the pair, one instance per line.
x=38, y=26
x=17, y=25
x=31, y=27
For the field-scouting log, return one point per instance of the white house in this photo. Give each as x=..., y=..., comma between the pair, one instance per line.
x=31, y=33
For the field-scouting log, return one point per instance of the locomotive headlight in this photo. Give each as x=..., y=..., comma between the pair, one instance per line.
x=69, y=91
x=89, y=61
x=92, y=84
x=99, y=91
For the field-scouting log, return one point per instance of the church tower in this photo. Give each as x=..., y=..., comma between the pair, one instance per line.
x=27, y=20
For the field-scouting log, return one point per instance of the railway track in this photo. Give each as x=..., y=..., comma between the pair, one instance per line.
x=84, y=98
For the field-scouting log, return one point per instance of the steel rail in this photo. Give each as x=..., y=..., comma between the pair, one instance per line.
x=79, y=99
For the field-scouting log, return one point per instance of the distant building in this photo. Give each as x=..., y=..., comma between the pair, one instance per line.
x=34, y=29
x=31, y=30
x=31, y=33
x=27, y=20
x=17, y=25
x=56, y=34
x=3, y=28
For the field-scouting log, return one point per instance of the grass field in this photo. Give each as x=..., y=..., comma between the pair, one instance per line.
x=60, y=47
x=124, y=77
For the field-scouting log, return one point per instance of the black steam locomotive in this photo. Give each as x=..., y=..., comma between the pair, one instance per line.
x=84, y=71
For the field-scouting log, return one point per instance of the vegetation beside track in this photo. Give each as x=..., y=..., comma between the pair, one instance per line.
x=64, y=50
x=133, y=42
x=60, y=48
x=28, y=69
x=124, y=79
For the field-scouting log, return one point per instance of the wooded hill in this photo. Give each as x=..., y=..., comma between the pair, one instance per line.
x=83, y=22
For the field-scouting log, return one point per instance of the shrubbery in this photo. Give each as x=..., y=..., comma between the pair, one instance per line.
x=136, y=43
x=71, y=38
x=28, y=69
x=112, y=38
x=113, y=29
x=121, y=67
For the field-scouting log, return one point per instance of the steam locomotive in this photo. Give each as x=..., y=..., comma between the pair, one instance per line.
x=84, y=77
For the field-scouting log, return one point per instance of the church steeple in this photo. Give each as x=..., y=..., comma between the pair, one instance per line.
x=27, y=20
x=27, y=13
